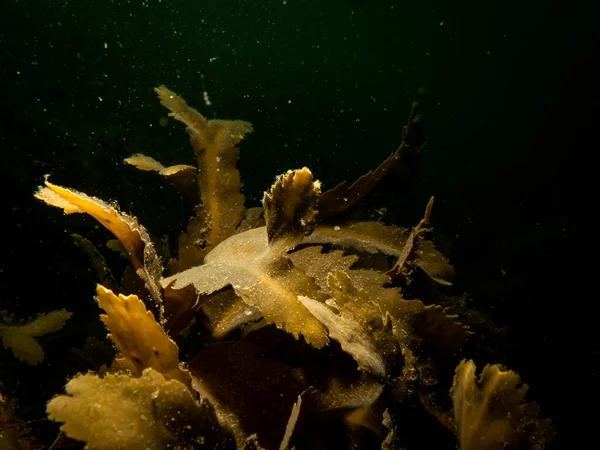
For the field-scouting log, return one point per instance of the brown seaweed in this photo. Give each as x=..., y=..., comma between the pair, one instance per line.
x=490, y=411
x=343, y=197
x=214, y=142
x=21, y=337
x=133, y=236
x=295, y=327
x=254, y=262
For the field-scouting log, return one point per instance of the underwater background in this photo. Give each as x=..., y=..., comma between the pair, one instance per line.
x=506, y=91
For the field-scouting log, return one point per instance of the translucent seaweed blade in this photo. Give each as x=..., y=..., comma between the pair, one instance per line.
x=214, y=142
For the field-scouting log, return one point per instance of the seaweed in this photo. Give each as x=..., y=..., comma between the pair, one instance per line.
x=20, y=337
x=490, y=412
x=294, y=325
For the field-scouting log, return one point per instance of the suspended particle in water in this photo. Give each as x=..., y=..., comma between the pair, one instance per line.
x=206, y=99
x=205, y=93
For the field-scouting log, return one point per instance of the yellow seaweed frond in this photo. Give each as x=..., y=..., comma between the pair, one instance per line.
x=182, y=176
x=291, y=208
x=121, y=412
x=214, y=142
x=21, y=338
x=126, y=228
x=257, y=268
x=138, y=336
x=367, y=237
x=145, y=163
x=490, y=411
x=263, y=280
x=349, y=326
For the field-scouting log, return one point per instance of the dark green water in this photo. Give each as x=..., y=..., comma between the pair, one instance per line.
x=505, y=88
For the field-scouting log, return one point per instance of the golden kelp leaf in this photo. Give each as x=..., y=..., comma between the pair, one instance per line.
x=342, y=197
x=132, y=235
x=138, y=336
x=291, y=208
x=370, y=305
x=353, y=338
x=358, y=326
x=257, y=268
x=368, y=237
x=490, y=412
x=21, y=338
x=214, y=142
x=387, y=299
x=144, y=162
x=183, y=177
x=423, y=326
x=262, y=279
x=119, y=412
x=319, y=265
